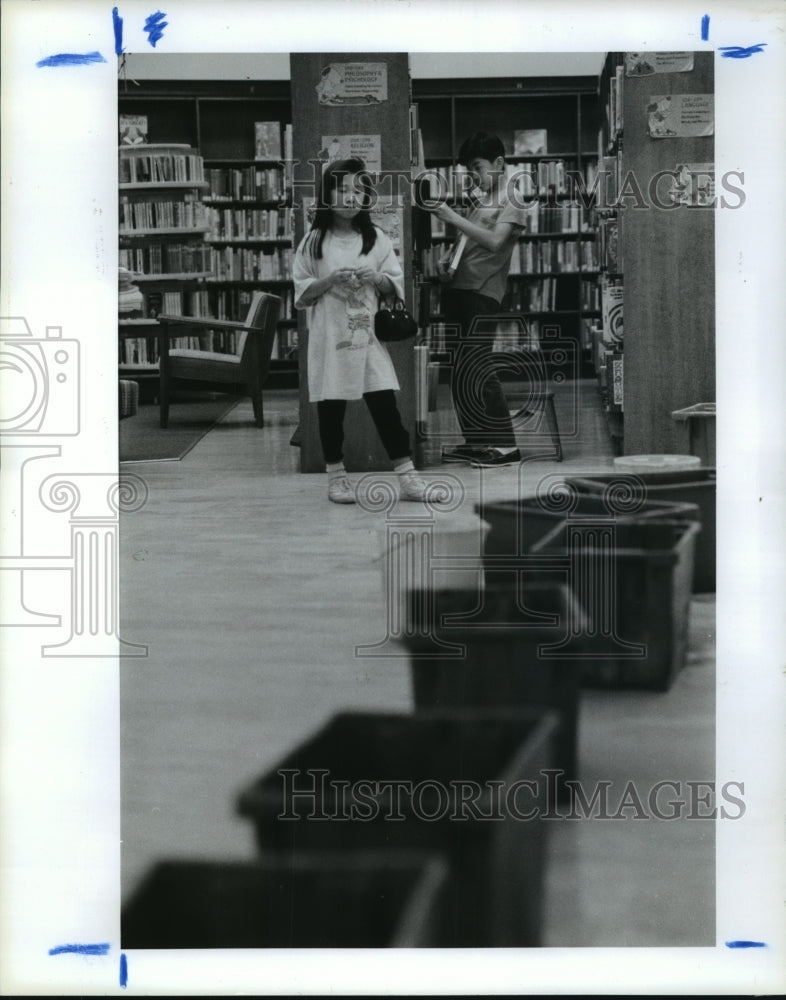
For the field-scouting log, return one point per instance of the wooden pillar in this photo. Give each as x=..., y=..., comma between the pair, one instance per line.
x=364, y=95
x=669, y=265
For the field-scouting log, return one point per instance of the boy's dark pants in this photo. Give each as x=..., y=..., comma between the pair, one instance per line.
x=478, y=397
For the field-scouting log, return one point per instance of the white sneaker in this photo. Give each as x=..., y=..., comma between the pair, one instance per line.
x=340, y=490
x=417, y=489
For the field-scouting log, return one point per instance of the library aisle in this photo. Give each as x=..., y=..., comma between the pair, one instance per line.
x=252, y=592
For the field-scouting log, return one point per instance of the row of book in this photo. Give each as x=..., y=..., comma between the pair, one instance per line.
x=144, y=350
x=225, y=304
x=537, y=257
x=568, y=218
x=532, y=180
x=610, y=246
x=239, y=264
x=233, y=303
x=590, y=296
x=145, y=215
x=160, y=168
x=544, y=295
x=167, y=258
x=183, y=302
x=610, y=168
x=246, y=184
x=251, y=223
x=531, y=257
x=614, y=107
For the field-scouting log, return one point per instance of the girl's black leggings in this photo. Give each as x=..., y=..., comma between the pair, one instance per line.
x=384, y=412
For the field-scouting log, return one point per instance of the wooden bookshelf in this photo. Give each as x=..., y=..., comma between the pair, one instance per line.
x=162, y=230
x=218, y=117
x=666, y=356
x=451, y=110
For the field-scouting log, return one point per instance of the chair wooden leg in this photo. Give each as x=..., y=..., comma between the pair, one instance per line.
x=551, y=417
x=259, y=411
x=163, y=402
x=163, y=375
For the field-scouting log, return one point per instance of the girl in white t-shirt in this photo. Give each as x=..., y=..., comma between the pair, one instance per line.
x=342, y=266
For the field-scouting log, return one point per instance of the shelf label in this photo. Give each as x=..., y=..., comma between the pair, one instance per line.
x=684, y=115
x=354, y=83
x=344, y=147
x=617, y=381
x=647, y=63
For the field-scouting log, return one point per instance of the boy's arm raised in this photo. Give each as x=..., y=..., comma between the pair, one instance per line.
x=489, y=239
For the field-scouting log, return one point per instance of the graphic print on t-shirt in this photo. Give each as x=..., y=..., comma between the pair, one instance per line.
x=358, y=320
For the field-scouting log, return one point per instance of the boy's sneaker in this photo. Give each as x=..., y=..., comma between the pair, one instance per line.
x=340, y=490
x=412, y=487
x=464, y=453
x=491, y=458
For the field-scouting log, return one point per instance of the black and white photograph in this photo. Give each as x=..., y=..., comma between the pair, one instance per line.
x=392, y=464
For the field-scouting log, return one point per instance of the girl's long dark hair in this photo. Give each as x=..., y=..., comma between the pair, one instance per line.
x=333, y=174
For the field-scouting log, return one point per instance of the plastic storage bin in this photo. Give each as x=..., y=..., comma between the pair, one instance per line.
x=636, y=598
x=365, y=900
x=516, y=525
x=693, y=486
x=493, y=894
x=498, y=654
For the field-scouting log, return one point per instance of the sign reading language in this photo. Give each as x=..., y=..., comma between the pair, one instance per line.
x=353, y=83
x=671, y=115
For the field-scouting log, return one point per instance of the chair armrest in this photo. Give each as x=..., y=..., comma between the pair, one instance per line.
x=204, y=322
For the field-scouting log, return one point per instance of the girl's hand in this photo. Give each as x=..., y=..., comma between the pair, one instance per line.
x=342, y=276
x=369, y=275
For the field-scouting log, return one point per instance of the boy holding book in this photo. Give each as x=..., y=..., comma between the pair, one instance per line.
x=475, y=290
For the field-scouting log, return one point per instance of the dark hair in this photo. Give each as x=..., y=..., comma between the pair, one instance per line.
x=333, y=174
x=482, y=146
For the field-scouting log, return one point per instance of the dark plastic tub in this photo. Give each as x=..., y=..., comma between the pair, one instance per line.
x=336, y=900
x=516, y=525
x=689, y=486
x=498, y=653
x=493, y=895
x=635, y=589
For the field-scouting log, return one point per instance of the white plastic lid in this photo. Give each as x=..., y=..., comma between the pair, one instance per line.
x=656, y=463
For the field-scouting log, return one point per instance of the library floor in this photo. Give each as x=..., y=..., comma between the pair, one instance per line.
x=252, y=593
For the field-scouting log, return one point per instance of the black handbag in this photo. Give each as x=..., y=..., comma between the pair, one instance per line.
x=393, y=322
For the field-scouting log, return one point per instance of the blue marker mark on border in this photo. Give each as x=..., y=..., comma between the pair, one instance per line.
x=746, y=944
x=80, y=949
x=72, y=59
x=123, y=970
x=705, y=27
x=117, y=24
x=740, y=51
x=154, y=26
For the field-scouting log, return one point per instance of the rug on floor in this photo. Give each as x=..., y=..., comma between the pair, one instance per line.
x=141, y=439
